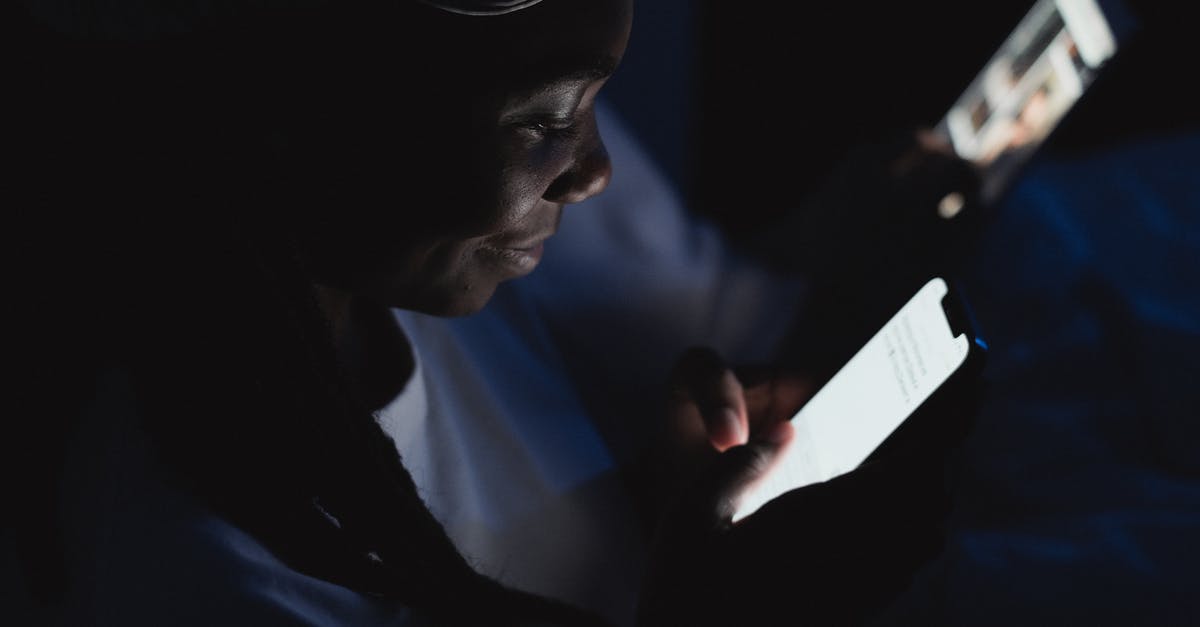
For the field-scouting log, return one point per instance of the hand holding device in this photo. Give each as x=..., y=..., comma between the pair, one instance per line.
x=898, y=369
x=712, y=410
x=859, y=537
x=723, y=432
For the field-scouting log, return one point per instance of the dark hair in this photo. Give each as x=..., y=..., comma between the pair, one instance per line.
x=202, y=296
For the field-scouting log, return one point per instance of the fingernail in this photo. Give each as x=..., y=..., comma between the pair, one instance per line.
x=731, y=426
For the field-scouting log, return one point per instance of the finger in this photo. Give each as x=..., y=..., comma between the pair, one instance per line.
x=908, y=160
x=941, y=175
x=712, y=495
x=776, y=398
x=739, y=468
x=934, y=142
x=788, y=394
x=702, y=379
x=934, y=173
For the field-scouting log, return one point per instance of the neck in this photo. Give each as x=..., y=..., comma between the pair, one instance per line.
x=370, y=344
x=335, y=304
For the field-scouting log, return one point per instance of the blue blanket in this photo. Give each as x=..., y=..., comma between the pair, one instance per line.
x=1080, y=497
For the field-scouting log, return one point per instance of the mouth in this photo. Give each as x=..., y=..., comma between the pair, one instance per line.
x=521, y=258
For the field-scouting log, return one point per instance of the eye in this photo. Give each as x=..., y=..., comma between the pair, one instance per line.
x=550, y=127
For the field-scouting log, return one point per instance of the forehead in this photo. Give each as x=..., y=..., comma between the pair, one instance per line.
x=559, y=40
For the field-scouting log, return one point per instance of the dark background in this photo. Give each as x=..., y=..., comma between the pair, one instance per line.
x=748, y=108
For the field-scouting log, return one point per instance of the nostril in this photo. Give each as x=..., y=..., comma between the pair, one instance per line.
x=590, y=177
x=600, y=177
x=595, y=173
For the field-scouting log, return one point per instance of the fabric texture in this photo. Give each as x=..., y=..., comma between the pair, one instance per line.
x=1080, y=494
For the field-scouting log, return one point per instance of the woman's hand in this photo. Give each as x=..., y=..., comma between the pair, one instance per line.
x=907, y=199
x=713, y=410
x=832, y=552
x=871, y=237
x=724, y=433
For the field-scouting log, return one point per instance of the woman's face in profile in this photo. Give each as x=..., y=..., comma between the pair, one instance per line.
x=480, y=166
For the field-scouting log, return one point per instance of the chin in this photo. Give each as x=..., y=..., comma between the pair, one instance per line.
x=446, y=303
x=464, y=305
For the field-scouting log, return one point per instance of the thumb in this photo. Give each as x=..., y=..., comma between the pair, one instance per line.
x=734, y=472
x=687, y=556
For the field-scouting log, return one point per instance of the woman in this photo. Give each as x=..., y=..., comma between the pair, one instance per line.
x=271, y=180
x=257, y=186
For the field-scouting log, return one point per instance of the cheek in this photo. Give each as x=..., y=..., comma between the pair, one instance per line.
x=447, y=279
x=514, y=205
x=489, y=188
x=474, y=195
x=529, y=171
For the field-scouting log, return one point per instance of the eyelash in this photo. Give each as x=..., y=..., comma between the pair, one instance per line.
x=551, y=128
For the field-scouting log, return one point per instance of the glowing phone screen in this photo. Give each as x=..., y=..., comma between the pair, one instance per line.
x=1027, y=87
x=880, y=387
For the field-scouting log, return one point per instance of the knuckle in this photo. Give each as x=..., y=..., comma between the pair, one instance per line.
x=747, y=463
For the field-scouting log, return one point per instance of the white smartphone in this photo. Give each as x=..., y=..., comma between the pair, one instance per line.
x=898, y=369
x=1027, y=87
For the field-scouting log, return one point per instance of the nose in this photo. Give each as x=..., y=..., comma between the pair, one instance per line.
x=589, y=174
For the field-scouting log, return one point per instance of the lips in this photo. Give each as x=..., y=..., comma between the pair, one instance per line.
x=517, y=254
x=526, y=246
x=535, y=249
x=521, y=258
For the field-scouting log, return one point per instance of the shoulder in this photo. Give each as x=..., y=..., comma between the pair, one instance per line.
x=189, y=567
x=141, y=552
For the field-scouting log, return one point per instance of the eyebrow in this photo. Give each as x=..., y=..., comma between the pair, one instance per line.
x=592, y=70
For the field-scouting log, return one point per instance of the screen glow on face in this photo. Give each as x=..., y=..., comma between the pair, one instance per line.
x=898, y=368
